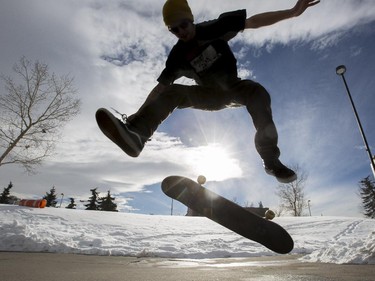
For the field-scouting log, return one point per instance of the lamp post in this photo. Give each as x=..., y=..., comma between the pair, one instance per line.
x=62, y=197
x=340, y=70
x=308, y=204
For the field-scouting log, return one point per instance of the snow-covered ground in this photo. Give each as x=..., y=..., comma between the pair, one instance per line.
x=322, y=239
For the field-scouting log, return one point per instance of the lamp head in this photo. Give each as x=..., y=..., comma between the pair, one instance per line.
x=340, y=70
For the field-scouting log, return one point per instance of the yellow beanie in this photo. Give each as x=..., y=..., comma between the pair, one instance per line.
x=176, y=10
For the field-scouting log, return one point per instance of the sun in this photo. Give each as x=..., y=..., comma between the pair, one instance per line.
x=214, y=162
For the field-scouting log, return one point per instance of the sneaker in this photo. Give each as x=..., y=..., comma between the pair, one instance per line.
x=119, y=132
x=282, y=173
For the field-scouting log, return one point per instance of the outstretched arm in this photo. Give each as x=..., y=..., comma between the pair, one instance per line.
x=270, y=18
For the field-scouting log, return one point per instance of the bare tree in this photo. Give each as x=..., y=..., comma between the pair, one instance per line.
x=35, y=106
x=292, y=195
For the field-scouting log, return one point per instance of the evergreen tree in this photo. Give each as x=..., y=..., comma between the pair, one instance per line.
x=5, y=195
x=72, y=204
x=93, y=200
x=367, y=193
x=107, y=204
x=51, y=198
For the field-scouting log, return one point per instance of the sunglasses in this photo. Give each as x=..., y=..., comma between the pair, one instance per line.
x=176, y=29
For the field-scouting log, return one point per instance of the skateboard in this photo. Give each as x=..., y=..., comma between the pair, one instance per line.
x=228, y=214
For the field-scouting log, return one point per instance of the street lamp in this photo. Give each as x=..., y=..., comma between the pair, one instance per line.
x=62, y=197
x=308, y=204
x=340, y=70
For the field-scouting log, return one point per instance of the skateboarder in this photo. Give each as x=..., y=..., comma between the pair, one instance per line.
x=203, y=54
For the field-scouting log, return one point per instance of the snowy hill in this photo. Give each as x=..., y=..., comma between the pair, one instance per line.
x=323, y=239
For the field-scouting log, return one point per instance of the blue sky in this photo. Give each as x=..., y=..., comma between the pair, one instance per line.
x=116, y=50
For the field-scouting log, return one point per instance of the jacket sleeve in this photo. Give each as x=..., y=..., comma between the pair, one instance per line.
x=226, y=26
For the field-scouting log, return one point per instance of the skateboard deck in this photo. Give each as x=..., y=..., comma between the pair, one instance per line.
x=228, y=214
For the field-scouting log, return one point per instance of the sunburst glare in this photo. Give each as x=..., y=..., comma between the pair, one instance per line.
x=214, y=162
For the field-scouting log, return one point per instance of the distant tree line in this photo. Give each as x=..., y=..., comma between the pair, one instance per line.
x=95, y=202
x=291, y=195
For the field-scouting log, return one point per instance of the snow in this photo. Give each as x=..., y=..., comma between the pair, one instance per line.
x=317, y=239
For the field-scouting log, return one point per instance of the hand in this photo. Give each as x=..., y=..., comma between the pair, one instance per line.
x=302, y=5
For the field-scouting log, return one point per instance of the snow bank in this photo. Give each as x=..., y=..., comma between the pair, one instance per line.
x=319, y=239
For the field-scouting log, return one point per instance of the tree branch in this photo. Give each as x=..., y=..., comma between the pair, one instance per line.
x=31, y=110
